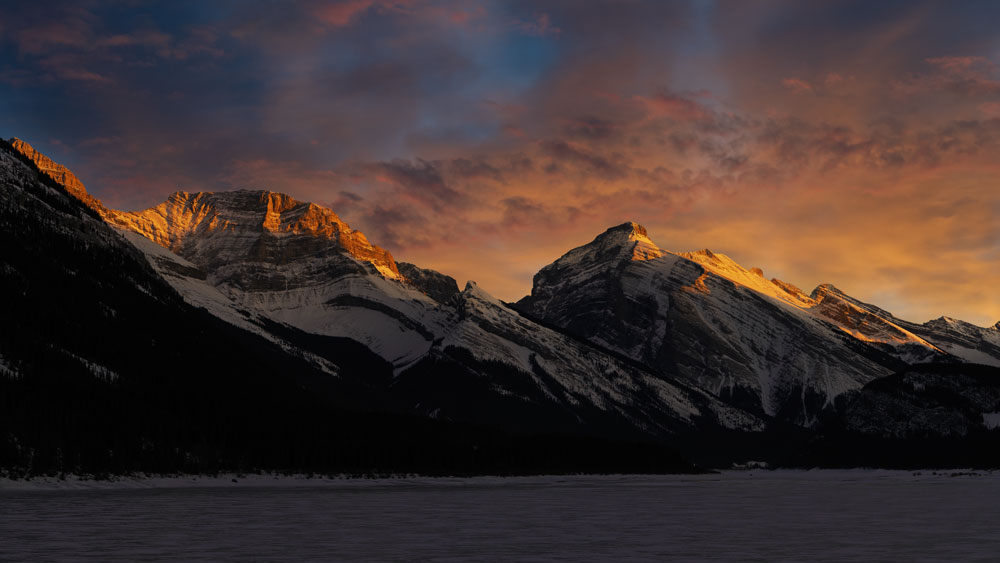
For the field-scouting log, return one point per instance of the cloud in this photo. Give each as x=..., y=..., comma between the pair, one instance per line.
x=540, y=25
x=798, y=86
x=969, y=76
x=991, y=109
x=340, y=14
x=419, y=180
x=561, y=152
x=673, y=107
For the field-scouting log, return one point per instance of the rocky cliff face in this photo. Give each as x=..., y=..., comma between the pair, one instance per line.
x=291, y=262
x=223, y=230
x=436, y=285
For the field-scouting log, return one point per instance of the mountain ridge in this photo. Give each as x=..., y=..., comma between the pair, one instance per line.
x=643, y=248
x=620, y=338
x=250, y=255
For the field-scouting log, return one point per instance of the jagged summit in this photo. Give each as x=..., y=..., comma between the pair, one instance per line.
x=628, y=240
x=250, y=225
x=629, y=227
x=825, y=289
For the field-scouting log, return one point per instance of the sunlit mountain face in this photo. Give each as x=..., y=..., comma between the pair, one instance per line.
x=845, y=142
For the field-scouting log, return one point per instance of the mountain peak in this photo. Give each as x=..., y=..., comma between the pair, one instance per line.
x=629, y=227
x=631, y=238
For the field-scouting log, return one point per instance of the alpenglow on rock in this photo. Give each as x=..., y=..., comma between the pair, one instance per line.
x=226, y=230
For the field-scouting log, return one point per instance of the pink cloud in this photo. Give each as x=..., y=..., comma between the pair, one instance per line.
x=798, y=86
x=991, y=109
x=832, y=80
x=340, y=14
x=344, y=12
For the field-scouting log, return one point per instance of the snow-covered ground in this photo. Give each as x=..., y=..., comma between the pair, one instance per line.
x=733, y=516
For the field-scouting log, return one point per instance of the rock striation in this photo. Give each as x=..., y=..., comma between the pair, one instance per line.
x=221, y=230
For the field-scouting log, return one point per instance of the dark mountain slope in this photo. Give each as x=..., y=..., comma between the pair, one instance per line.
x=928, y=415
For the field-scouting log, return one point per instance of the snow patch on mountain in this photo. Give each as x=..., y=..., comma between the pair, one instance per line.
x=7, y=370
x=100, y=372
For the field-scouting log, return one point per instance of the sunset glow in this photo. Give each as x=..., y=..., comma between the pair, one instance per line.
x=852, y=143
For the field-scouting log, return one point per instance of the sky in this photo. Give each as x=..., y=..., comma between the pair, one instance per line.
x=851, y=142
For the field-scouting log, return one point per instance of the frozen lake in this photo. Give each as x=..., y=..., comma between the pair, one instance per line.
x=749, y=516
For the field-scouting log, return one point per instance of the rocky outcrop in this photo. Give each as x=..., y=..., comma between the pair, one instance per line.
x=438, y=286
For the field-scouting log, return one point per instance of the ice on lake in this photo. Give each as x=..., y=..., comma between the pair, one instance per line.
x=735, y=516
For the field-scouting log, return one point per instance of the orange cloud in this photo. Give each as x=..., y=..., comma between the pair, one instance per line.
x=673, y=107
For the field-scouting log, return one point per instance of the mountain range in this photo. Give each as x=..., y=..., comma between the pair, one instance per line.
x=249, y=330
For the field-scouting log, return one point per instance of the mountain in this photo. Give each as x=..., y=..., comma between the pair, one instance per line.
x=247, y=329
x=297, y=264
x=761, y=344
x=266, y=304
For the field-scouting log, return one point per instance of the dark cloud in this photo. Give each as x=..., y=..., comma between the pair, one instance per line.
x=609, y=167
x=475, y=168
x=421, y=180
x=591, y=127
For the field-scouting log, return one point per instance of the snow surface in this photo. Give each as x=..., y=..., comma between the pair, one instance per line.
x=780, y=516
